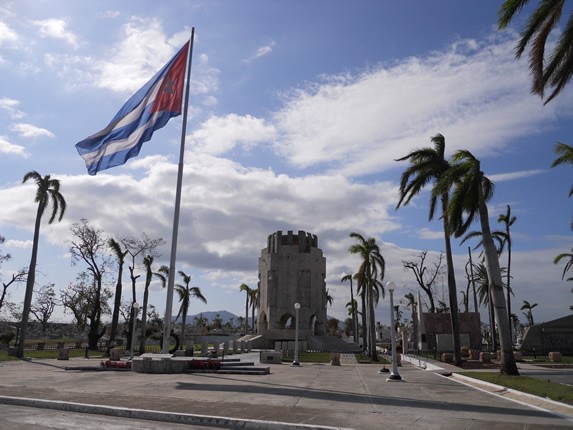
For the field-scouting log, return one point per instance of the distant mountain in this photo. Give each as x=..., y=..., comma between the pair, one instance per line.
x=211, y=315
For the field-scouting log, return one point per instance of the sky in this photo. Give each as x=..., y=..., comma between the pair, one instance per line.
x=298, y=111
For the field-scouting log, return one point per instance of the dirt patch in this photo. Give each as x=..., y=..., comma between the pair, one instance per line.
x=475, y=364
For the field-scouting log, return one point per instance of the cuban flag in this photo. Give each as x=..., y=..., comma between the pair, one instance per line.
x=147, y=110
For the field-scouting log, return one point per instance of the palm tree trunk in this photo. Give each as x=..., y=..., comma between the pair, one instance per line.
x=116, y=306
x=508, y=287
x=372, y=328
x=473, y=281
x=452, y=291
x=183, y=329
x=247, y=313
x=364, y=333
x=507, y=364
x=354, y=319
x=142, y=337
x=30, y=281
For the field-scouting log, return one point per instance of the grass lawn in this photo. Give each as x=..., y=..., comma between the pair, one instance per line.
x=49, y=353
x=537, y=387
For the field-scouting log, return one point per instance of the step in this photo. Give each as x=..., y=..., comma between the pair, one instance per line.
x=246, y=371
x=238, y=363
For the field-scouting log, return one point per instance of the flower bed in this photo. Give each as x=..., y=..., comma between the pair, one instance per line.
x=208, y=364
x=116, y=365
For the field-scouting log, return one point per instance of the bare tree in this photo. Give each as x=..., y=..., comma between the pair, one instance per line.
x=44, y=306
x=89, y=247
x=137, y=247
x=425, y=275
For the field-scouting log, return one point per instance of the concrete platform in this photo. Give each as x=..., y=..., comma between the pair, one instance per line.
x=310, y=396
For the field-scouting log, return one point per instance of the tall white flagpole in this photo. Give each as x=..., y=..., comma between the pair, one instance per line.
x=171, y=277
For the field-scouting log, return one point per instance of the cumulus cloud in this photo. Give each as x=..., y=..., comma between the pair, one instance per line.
x=10, y=148
x=23, y=244
x=57, y=29
x=7, y=35
x=220, y=134
x=360, y=123
x=29, y=130
x=143, y=51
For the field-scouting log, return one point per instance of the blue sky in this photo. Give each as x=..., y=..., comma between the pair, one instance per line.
x=297, y=113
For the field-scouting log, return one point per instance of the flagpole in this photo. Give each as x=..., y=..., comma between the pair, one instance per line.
x=171, y=276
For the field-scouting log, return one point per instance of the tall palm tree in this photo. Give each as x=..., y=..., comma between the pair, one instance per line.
x=247, y=290
x=565, y=156
x=345, y=278
x=185, y=293
x=528, y=307
x=120, y=255
x=472, y=189
x=370, y=274
x=147, y=263
x=254, y=299
x=555, y=71
x=47, y=193
x=428, y=166
x=508, y=221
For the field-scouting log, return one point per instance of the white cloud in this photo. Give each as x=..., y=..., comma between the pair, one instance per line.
x=24, y=244
x=261, y=52
x=57, y=29
x=218, y=135
x=426, y=233
x=29, y=130
x=143, y=51
x=361, y=123
x=7, y=35
x=10, y=105
x=500, y=177
x=10, y=148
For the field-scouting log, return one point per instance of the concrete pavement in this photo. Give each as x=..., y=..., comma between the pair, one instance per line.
x=312, y=396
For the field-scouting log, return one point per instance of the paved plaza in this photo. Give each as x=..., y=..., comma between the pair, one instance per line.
x=317, y=396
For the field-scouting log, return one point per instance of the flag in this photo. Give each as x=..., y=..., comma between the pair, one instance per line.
x=149, y=109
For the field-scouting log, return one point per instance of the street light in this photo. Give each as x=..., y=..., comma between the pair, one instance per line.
x=135, y=307
x=394, y=375
x=295, y=361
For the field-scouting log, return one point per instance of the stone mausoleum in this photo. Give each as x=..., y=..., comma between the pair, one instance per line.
x=292, y=270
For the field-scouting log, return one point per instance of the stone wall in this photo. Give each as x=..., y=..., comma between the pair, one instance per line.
x=440, y=323
x=555, y=335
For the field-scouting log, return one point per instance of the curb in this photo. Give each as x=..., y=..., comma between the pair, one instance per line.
x=475, y=383
x=170, y=417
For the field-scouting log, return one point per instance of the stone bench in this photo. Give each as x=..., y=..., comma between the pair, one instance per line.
x=274, y=357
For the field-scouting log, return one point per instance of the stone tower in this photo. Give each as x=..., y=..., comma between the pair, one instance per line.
x=292, y=270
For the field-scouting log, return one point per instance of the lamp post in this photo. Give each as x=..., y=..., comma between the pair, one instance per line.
x=296, y=309
x=135, y=307
x=394, y=375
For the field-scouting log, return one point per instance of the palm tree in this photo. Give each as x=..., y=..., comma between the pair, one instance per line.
x=247, y=290
x=556, y=72
x=147, y=263
x=568, y=265
x=472, y=189
x=484, y=295
x=185, y=293
x=254, y=299
x=47, y=193
x=528, y=307
x=565, y=156
x=508, y=221
x=120, y=255
x=329, y=299
x=428, y=165
x=345, y=278
x=413, y=305
x=370, y=274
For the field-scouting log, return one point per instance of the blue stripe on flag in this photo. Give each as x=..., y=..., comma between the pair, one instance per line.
x=133, y=125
